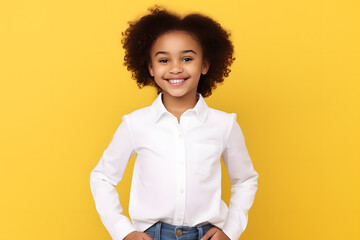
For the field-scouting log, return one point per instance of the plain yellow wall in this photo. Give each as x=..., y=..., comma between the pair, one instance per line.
x=294, y=85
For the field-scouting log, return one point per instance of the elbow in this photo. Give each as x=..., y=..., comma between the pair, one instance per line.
x=248, y=181
x=100, y=177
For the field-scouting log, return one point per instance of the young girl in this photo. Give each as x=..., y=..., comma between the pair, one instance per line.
x=176, y=185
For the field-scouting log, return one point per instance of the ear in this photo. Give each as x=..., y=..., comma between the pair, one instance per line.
x=205, y=67
x=151, y=70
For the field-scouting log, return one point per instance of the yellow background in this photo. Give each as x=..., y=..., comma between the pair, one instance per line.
x=294, y=85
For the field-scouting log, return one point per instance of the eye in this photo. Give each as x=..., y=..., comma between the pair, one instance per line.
x=187, y=59
x=163, y=61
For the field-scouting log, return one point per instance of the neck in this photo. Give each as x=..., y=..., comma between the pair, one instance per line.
x=178, y=105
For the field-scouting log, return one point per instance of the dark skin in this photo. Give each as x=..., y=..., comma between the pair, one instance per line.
x=177, y=55
x=215, y=233
x=177, y=106
x=136, y=235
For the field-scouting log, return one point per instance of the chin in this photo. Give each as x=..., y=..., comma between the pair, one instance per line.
x=178, y=93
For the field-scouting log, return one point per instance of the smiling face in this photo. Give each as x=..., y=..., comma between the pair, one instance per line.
x=177, y=64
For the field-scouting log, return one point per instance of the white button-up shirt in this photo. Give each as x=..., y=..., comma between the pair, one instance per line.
x=177, y=172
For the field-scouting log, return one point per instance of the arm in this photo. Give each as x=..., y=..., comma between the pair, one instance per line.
x=243, y=179
x=106, y=175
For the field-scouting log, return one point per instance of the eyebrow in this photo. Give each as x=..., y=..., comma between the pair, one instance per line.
x=185, y=51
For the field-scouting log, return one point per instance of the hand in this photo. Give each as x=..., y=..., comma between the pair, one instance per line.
x=215, y=233
x=136, y=235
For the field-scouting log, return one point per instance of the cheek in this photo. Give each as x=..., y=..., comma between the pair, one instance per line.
x=158, y=80
x=196, y=70
x=157, y=70
x=160, y=73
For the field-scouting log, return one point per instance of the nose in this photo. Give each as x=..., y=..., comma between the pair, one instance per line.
x=175, y=67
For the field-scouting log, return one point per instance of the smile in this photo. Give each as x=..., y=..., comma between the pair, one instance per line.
x=176, y=82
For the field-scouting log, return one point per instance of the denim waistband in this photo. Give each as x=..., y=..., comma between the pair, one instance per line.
x=161, y=230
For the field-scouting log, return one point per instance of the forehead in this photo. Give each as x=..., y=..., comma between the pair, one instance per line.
x=176, y=41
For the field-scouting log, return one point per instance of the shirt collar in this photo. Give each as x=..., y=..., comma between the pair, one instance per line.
x=158, y=108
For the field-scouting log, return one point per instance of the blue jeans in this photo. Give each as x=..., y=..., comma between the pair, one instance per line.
x=164, y=231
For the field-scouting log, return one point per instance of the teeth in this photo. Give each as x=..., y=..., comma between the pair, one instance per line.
x=176, y=80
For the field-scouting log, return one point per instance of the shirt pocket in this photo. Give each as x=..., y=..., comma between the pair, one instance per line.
x=207, y=158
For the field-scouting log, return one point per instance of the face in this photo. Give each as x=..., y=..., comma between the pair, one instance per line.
x=177, y=64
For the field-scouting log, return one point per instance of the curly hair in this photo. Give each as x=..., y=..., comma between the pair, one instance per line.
x=139, y=37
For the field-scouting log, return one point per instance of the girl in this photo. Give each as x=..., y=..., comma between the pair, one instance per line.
x=176, y=185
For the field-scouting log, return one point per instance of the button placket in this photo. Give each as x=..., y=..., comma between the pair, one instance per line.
x=181, y=177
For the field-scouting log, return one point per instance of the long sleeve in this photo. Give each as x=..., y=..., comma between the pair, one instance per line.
x=106, y=175
x=243, y=179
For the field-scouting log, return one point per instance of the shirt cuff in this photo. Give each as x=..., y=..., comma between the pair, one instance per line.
x=231, y=230
x=121, y=229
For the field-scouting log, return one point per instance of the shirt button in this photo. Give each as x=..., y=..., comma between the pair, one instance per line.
x=179, y=219
x=180, y=136
x=182, y=191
